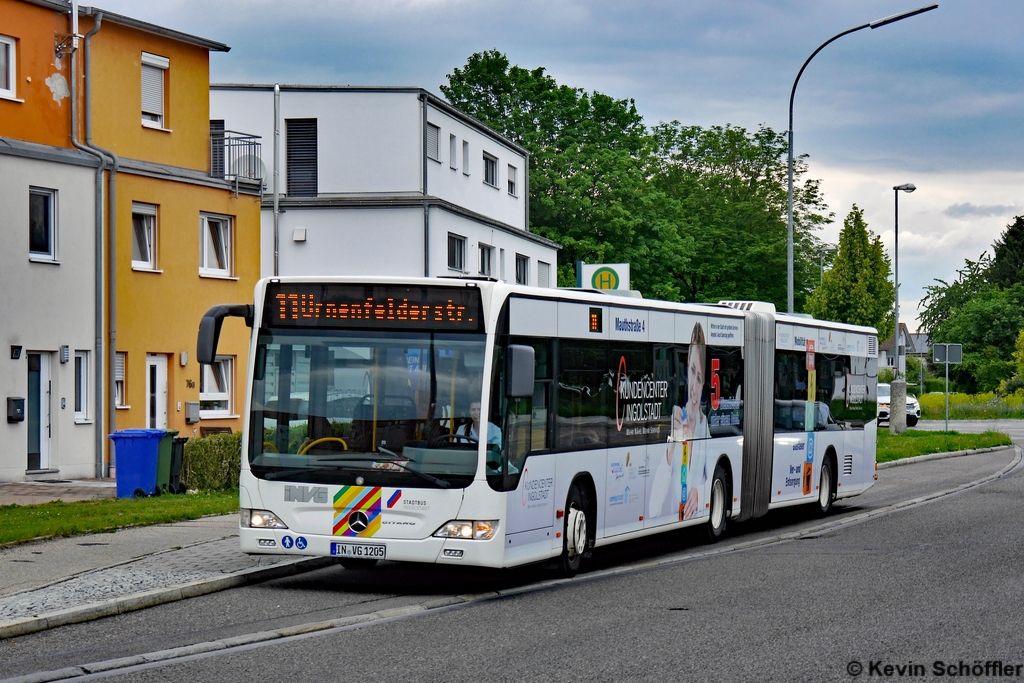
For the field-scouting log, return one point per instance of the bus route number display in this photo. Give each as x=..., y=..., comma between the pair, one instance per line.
x=373, y=306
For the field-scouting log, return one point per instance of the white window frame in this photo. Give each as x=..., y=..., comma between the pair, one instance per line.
x=120, y=386
x=491, y=161
x=51, y=254
x=524, y=259
x=227, y=239
x=459, y=263
x=148, y=211
x=10, y=92
x=82, y=388
x=434, y=142
x=226, y=366
x=465, y=157
x=152, y=119
x=513, y=181
x=486, y=257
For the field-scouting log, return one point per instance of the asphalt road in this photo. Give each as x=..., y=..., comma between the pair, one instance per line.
x=1015, y=428
x=937, y=581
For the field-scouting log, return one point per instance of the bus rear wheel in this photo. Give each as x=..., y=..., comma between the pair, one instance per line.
x=574, y=534
x=718, y=519
x=826, y=489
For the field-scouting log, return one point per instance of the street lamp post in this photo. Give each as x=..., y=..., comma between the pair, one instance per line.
x=898, y=387
x=908, y=188
x=792, y=94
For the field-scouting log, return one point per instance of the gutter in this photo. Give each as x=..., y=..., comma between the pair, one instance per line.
x=98, y=230
x=111, y=240
x=423, y=184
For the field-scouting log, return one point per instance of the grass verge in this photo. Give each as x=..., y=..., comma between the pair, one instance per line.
x=25, y=522
x=918, y=442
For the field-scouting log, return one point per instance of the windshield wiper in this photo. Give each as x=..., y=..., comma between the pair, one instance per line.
x=397, y=461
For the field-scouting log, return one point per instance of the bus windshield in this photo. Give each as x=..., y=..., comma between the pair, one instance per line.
x=368, y=407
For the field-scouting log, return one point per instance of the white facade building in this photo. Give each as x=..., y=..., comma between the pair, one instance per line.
x=47, y=311
x=388, y=181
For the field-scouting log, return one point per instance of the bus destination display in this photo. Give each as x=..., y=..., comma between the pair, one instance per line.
x=373, y=307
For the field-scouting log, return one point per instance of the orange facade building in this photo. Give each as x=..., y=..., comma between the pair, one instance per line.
x=185, y=218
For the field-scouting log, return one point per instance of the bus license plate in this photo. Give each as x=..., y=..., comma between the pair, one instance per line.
x=374, y=552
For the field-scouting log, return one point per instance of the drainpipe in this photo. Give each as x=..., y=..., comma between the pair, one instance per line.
x=423, y=171
x=98, y=230
x=277, y=175
x=111, y=238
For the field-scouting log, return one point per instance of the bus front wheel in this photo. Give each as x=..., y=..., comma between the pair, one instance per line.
x=717, y=520
x=575, y=532
x=826, y=488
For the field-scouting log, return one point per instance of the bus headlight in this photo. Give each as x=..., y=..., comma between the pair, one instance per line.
x=478, y=530
x=262, y=519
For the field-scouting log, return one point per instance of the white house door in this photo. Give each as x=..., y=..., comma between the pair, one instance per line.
x=156, y=390
x=38, y=411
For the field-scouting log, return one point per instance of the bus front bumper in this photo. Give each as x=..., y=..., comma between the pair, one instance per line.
x=288, y=542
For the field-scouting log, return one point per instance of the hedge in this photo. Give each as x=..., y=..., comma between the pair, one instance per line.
x=212, y=463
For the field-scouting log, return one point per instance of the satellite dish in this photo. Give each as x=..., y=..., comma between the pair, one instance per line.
x=248, y=166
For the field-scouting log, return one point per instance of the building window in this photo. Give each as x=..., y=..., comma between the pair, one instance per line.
x=42, y=223
x=465, y=157
x=8, y=68
x=543, y=274
x=154, y=71
x=215, y=382
x=81, y=385
x=433, y=142
x=486, y=257
x=301, y=157
x=120, y=365
x=143, y=236
x=490, y=170
x=522, y=269
x=512, y=188
x=453, y=152
x=456, y=252
x=215, y=245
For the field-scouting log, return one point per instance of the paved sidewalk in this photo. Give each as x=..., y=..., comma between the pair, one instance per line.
x=44, y=584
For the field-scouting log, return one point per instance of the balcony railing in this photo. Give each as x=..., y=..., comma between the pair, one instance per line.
x=236, y=156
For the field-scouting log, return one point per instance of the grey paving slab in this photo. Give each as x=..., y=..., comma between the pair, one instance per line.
x=32, y=565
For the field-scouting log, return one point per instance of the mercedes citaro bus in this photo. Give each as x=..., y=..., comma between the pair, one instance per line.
x=480, y=423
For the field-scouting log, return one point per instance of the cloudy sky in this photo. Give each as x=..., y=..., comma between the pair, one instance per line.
x=936, y=100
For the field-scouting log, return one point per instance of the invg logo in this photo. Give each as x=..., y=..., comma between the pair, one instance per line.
x=304, y=494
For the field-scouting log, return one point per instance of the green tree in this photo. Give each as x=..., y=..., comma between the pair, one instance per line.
x=988, y=326
x=942, y=300
x=1007, y=267
x=731, y=185
x=857, y=289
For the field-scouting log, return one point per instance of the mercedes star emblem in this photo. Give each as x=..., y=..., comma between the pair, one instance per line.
x=358, y=521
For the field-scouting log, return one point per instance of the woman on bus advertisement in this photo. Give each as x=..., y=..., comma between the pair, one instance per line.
x=688, y=423
x=693, y=473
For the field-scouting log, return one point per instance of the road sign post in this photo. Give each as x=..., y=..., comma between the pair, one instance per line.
x=946, y=354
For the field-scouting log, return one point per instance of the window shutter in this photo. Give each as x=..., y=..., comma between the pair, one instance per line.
x=432, y=142
x=119, y=367
x=152, y=90
x=543, y=274
x=301, y=157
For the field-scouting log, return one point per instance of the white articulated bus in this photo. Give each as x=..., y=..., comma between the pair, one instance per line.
x=479, y=423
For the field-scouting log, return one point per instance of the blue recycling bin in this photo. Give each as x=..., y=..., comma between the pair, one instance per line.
x=136, y=454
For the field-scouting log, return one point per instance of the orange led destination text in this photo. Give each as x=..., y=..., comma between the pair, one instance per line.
x=305, y=306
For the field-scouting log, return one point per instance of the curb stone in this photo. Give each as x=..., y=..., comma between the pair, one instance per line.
x=939, y=456
x=138, y=601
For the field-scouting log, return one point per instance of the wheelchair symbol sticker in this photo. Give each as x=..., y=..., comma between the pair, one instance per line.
x=300, y=543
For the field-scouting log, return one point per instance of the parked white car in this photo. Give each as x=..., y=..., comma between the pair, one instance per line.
x=913, y=407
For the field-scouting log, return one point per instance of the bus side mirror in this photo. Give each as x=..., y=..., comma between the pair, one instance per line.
x=521, y=369
x=209, y=328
